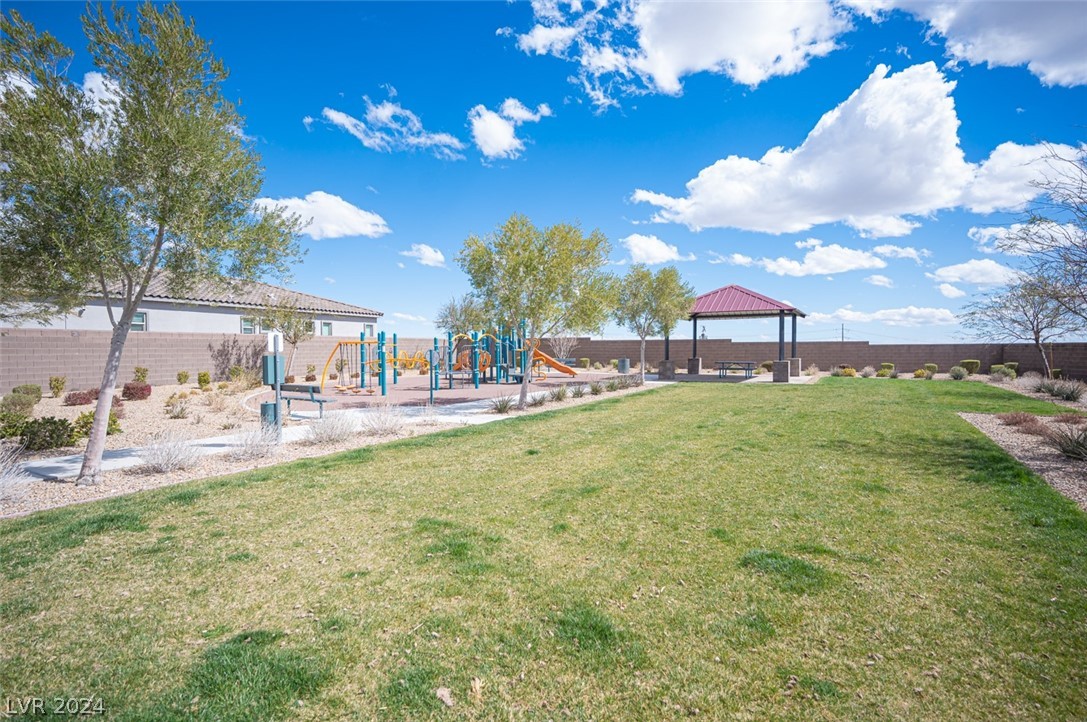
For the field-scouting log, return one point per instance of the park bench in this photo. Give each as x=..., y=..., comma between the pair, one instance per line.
x=305, y=392
x=723, y=367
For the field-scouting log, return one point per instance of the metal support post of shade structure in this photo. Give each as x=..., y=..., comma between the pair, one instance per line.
x=793, y=354
x=781, y=335
x=694, y=337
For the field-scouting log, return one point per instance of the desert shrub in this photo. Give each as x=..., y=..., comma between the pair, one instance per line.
x=1056, y=373
x=383, y=420
x=958, y=373
x=84, y=422
x=614, y=363
x=1069, y=440
x=1001, y=374
x=57, y=384
x=886, y=367
x=502, y=404
x=182, y=377
x=311, y=377
x=919, y=374
x=335, y=427
x=234, y=373
x=17, y=403
x=972, y=366
x=78, y=398
x=1070, y=418
x=215, y=402
x=136, y=391
x=1069, y=390
x=996, y=368
x=932, y=367
x=836, y=370
x=1030, y=381
x=259, y=443
x=177, y=407
x=118, y=407
x=811, y=370
x=598, y=365
x=167, y=452
x=47, y=433
x=596, y=388
x=1035, y=427
x=767, y=366
x=1013, y=365
x=32, y=390
x=11, y=424
x=139, y=374
x=290, y=379
x=929, y=375
x=577, y=391
x=1046, y=386
x=849, y=371
x=333, y=376
x=612, y=385
x=203, y=378
x=583, y=363
x=557, y=394
x=634, y=380
x=1015, y=418
x=12, y=476
x=884, y=373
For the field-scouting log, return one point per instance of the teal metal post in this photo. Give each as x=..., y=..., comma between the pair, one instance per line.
x=381, y=360
x=395, y=356
x=475, y=359
x=449, y=357
x=362, y=361
x=434, y=374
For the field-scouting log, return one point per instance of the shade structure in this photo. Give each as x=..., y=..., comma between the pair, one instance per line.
x=738, y=302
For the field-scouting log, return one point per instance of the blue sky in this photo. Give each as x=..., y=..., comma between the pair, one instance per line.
x=856, y=159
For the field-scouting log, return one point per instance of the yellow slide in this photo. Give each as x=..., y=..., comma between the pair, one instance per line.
x=538, y=355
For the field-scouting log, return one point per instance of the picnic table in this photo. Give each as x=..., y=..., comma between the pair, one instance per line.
x=305, y=392
x=723, y=367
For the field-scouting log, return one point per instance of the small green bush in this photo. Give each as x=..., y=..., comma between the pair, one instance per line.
x=596, y=388
x=958, y=373
x=578, y=391
x=972, y=366
x=502, y=404
x=849, y=371
x=996, y=368
x=57, y=384
x=203, y=378
x=1069, y=440
x=11, y=424
x=919, y=374
x=583, y=363
x=1069, y=390
x=887, y=367
x=1055, y=373
x=612, y=385
x=32, y=390
x=139, y=374
x=557, y=394
x=884, y=373
x=932, y=368
x=47, y=433
x=598, y=365
x=1001, y=374
x=17, y=403
x=535, y=401
x=182, y=377
x=82, y=426
x=1013, y=365
x=614, y=363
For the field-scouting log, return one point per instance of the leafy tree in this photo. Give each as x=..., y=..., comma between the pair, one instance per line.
x=550, y=279
x=651, y=303
x=1054, y=235
x=462, y=315
x=296, y=326
x=102, y=191
x=1022, y=311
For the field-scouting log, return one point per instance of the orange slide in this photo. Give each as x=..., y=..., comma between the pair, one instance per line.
x=538, y=355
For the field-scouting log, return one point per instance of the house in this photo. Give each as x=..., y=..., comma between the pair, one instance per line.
x=231, y=307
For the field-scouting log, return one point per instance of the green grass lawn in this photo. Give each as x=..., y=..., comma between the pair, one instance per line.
x=846, y=550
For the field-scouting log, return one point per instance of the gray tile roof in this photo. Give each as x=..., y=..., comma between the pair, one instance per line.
x=238, y=293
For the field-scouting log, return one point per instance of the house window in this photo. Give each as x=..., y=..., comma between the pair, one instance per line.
x=249, y=325
x=326, y=328
x=139, y=321
x=368, y=329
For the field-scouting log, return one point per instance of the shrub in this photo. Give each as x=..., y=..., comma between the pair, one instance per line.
x=1070, y=418
x=167, y=452
x=311, y=377
x=177, y=408
x=384, y=420
x=867, y=372
x=333, y=376
x=932, y=368
x=83, y=423
x=182, y=377
x=883, y=373
x=203, y=378
x=596, y=388
x=47, y=433
x=919, y=374
x=1069, y=440
x=893, y=373
x=971, y=365
x=767, y=366
x=996, y=368
x=1013, y=365
x=811, y=370
x=78, y=398
x=290, y=379
x=502, y=404
x=1001, y=374
x=612, y=385
x=136, y=391
x=557, y=394
x=836, y=370
x=598, y=365
x=11, y=424
x=118, y=407
x=538, y=400
x=583, y=363
x=1035, y=427
x=32, y=390
x=1055, y=373
x=577, y=391
x=12, y=476
x=958, y=373
x=849, y=371
x=1016, y=418
x=929, y=375
x=222, y=386
x=215, y=402
x=614, y=363
x=257, y=444
x=1069, y=390
x=139, y=374
x=234, y=373
x=335, y=427
x=17, y=403
x=886, y=367
x=57, y=384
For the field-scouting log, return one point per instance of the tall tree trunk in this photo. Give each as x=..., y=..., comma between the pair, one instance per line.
x=1045, y=359
x=641, y=360
x=91, y=473
x=526, y=378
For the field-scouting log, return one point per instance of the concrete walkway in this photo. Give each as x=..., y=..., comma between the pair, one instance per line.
x=468, y=412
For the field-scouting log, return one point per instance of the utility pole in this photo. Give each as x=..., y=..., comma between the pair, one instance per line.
x=843, y=333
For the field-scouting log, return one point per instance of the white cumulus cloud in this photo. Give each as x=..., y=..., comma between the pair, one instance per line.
x=909, y=252
x=389, y=126
x=910, y=316
x=888, y=152
x=822, y=260
x=651, y=250
x=495, y=132
x=425, y=255
x=950, y=291
x=981, y=272
x=329, y=216
x=880, y=280
x=409, y=317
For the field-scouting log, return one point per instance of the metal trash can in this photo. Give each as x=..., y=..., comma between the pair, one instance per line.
x=268, y=414
x=624, y=366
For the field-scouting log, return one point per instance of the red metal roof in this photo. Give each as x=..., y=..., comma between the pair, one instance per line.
x=737, y=301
